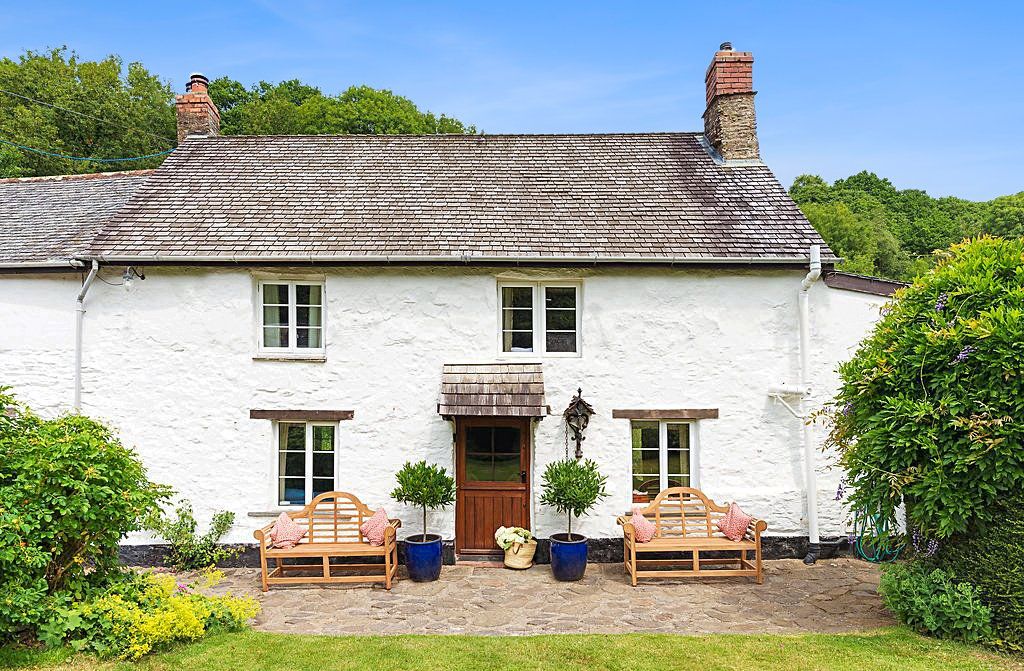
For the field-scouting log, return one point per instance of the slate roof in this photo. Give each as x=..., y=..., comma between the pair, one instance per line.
x=46, y=221
x=632, y=197
x=492, y=390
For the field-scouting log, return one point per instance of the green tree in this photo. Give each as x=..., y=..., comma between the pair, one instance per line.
x=572, y=487
x=293, y=108
x=116, y=111
x=425, y=485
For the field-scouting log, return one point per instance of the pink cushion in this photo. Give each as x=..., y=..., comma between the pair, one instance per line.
x=373, y=528
x=285, y=532
x=643, y=528
x=734, y=524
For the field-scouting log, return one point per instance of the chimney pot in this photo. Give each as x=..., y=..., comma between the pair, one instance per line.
x=197, y=83
x=725, y=46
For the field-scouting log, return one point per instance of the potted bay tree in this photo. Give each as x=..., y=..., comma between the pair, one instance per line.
x=571, y=487
x=430, y=487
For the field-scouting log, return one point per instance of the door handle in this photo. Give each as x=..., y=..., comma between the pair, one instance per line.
x=522, y=477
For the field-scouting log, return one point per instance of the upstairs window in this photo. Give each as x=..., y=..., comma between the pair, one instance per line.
x=542, y=318
x=292, y=317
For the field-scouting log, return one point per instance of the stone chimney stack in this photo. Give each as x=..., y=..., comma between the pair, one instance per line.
x=197, y=115
x=730, y=125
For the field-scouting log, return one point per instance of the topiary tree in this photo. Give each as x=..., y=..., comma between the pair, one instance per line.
x=572, y=487
x=424, y=485
x=69, y=491
x=931, y=407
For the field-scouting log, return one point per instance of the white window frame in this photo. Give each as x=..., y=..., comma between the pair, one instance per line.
x=539, y=317
x=293, y=351
x=308, y=477
x=663, y=451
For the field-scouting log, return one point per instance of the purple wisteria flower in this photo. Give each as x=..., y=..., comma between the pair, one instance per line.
x=940, y=304
x=847, y=408
x=841, y=490
x=933, y=547
x=964, y=354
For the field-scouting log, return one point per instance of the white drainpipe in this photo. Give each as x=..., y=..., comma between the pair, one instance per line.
x=810, y=474
x=79, y=322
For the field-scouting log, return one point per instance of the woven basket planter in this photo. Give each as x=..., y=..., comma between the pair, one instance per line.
x=520, y=555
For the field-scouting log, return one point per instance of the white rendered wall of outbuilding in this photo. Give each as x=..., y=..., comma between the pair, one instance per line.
x=171, y=365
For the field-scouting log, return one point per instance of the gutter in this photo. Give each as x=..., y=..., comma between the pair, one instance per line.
x=79, y=324
x=461, y=258
x=42, y=265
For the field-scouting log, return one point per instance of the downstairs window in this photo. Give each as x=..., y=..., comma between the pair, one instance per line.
x=306, y=461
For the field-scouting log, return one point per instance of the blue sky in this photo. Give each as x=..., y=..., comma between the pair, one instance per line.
x=929, y=94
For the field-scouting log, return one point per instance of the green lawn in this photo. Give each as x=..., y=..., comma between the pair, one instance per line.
x=894, y=649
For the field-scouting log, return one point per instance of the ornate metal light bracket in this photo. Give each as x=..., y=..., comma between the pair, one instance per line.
x=577, y=417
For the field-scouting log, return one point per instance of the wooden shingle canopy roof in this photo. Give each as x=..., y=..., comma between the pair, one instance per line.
x=625, y=197
x=492, y=390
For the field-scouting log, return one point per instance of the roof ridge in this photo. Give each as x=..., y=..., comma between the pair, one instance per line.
x=79, y=176
x=484, y=136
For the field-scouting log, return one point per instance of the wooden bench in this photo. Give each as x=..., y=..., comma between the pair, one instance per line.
x=332, y=521
x=685, y=520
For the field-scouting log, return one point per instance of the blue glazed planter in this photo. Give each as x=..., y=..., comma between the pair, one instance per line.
x=423, y=557
x=568, y=557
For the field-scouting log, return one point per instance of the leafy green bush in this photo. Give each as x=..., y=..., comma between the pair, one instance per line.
x=572, y=487
x=188, y=549
x=69, y=491
x=931, y=408
x=929, y=601
x=142, y=613
x=424, y=485
x=990, y=558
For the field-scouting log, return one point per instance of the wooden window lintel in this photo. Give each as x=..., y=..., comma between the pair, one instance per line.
x=303, y=415
x=678, y=413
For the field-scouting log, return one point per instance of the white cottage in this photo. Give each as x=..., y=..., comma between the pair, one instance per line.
x=267, y=318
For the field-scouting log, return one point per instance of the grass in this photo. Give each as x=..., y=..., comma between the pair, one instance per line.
x=882, y=650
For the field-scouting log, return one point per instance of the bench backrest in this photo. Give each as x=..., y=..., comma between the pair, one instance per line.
x=333, y=517
x=684, y=511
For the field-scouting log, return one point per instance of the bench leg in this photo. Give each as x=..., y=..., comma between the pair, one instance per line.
x=632, y=561
x=757, y=561
x=387, y=569
x=263, y=568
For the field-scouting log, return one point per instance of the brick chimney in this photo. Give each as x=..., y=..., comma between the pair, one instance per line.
x=197, y=115
x=730, y=125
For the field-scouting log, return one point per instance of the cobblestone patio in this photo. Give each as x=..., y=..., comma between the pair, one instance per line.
x=834, y=596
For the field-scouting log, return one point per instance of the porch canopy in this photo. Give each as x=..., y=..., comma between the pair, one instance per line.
x=492, y=390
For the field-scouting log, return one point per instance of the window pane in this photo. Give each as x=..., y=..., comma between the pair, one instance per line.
x=517, y=341
x=678, y=462
x=645, y=462
x=321, y=485
x=292, y=464
x=293, y=437
x=275, y=337
x=307, y=316
x=517, y=297
x=275, y=293
x=323, y=465
x=478, y=467
x=645, y=435
x=646, y=485
x=275, y=315
x=478, y=439
x=560, y=320
x=560, y=297
x=506, y=468
x=323, y=438
x=292, y=491
x=308, y=338
x=678, y=436
x=517, y=320
x=308, y=294
x=561, y=342
x=679, y=481
x=506, y=440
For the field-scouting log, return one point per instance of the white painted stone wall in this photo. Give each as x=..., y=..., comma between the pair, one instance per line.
x=171, y=365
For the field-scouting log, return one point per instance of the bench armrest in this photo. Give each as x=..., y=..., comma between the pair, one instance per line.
x=755, y=528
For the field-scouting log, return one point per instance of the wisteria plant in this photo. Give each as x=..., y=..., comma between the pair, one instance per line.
x=931, y=407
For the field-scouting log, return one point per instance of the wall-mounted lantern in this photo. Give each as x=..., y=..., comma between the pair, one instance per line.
x=577, y=417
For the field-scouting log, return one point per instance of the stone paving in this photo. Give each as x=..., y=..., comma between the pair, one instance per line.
x=834, y=596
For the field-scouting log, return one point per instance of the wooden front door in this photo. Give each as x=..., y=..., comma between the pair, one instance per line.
x=492, y=469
